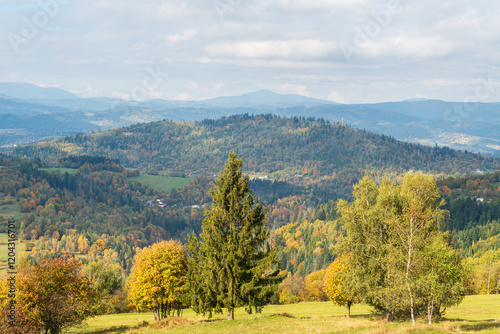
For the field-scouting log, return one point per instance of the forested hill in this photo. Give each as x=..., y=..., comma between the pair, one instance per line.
x=291, y=149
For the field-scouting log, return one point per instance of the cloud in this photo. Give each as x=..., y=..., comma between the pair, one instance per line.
x=287, y=45
x=294, y=89
x=182, y=97
x=281, y=49
x=335, y=97
x=320, y=4
x=186, y=35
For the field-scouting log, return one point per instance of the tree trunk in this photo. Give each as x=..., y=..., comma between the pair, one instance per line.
x=408, y=264
x=430, y=311
x=390, y=316
x=230, y=314
x=348, y=310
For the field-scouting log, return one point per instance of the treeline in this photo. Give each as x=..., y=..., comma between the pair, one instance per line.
x=474, y=205
x=301, y=151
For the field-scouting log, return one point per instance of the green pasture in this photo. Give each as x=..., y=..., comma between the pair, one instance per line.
x=475, y=314
x=162, y=183
x=71, y=171
x=4, y=251
x=10, y=210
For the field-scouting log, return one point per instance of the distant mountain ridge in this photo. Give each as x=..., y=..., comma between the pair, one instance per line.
x=33, y=92
x=429, y=122
x=265, y=97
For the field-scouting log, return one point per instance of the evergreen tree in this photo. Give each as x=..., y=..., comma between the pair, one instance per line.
x=233, y=264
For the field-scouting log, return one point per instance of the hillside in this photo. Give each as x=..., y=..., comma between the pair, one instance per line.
x=291, y=149
x=428, y=122
x=95, y=208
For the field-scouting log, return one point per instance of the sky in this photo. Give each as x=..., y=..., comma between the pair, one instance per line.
x=347, y=51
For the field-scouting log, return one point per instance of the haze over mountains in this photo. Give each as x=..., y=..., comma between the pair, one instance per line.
x=29, y=112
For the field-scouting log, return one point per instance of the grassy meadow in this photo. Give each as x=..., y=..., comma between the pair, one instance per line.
x=4, y=239
x=158, y=182
x=162, y=183
x=476, y=314
x=71, y=171
x=10, y=210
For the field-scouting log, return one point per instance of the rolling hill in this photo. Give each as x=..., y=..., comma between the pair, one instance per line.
x=295, y=149
x=430, y=122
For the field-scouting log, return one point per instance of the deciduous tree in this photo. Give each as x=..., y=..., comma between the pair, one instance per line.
x=389, y=228
x=158, y=280
x=336, y=285
x=54, y=295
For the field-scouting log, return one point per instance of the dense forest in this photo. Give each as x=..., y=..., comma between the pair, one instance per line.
x=90, y=212
x=101, y=209
x=299, y=169
x=298, y=150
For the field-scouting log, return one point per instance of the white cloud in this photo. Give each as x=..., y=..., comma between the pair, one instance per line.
x=293, y=49
x=191, y=85
x=320, y=4
x=186, y=35
x=336, y=97
x=119, y=95
x=258, y=44
x=294, y=89
x=154, y=94
x=182, y=97
x=409, y=46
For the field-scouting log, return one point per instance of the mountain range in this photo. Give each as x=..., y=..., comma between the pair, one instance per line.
x=29, y=113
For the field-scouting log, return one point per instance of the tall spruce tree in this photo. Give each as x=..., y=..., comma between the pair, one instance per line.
x=233, y=264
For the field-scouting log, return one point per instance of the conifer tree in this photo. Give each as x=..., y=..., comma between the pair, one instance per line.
x=233, y=264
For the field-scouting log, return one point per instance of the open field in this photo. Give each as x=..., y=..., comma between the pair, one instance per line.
x=4, y=251
x=71, y=171
x=158, y=182
x=10, y=210
x=475, y=314
x=162, y=183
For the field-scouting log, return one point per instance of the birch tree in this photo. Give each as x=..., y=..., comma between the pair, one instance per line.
x=389, y=227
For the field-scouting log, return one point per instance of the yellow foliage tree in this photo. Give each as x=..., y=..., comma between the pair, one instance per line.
x=335, y=285
x=158, y=280
x=315, y=287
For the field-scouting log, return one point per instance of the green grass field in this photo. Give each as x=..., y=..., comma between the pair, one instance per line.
x=71, y=171
x=475, y=314
x=162, y=183
x=4, y=251
x=10, y=210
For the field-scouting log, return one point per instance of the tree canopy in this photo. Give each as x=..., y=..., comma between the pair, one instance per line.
x=336, y=285
x=233, y=262
x=54, y=295
x=158, y=280
x=389, y=229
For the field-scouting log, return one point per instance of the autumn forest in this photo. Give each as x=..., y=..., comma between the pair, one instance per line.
x=103, y=204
